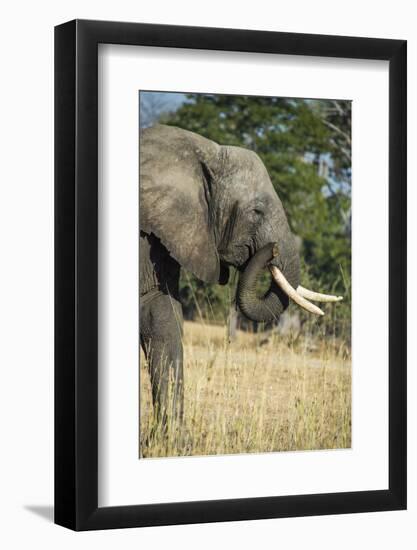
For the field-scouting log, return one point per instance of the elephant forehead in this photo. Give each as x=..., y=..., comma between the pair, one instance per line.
x=245, y=159
x=244, y=168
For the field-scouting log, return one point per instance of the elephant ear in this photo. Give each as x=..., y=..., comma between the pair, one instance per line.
x=174, y=200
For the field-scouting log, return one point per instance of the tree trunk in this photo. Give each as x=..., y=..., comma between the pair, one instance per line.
x=232, y=323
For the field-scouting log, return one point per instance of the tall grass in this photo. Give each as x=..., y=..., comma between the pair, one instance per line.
x=255, y=394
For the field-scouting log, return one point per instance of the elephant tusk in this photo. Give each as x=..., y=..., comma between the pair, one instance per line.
x=292, y=293
x=316, y=296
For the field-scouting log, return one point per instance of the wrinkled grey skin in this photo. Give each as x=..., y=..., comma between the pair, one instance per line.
x=203, y=207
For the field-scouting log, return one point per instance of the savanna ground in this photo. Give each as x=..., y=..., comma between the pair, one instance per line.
x=259, y=393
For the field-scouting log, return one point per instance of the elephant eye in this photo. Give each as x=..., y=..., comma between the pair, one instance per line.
x=258, y=212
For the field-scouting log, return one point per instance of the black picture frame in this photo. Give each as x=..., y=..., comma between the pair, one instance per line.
x=76, y=272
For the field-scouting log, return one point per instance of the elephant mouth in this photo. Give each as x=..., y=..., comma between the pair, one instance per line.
x=270, y=306
x=224, y=274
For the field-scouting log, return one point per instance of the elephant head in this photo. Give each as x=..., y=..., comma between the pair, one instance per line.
x=213, y=207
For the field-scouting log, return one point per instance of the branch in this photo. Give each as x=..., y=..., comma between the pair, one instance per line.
x=337, y=130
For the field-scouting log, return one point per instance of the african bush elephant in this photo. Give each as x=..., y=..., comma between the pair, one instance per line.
x=206, y=207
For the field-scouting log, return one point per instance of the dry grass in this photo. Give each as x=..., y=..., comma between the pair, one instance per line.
x=254, y=396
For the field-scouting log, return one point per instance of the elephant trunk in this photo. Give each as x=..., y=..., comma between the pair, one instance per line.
x=284, y=285
x=270, y=306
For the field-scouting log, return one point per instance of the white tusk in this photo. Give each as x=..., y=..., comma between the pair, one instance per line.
x=316, y=296
x=292, y=293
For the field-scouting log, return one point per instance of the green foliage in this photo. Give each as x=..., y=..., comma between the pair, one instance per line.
x=305, y=146
x=202, y=301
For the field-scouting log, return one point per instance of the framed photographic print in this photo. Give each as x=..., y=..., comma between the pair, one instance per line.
x=230, y=251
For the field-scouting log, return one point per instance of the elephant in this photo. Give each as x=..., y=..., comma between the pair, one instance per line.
x=206, y=207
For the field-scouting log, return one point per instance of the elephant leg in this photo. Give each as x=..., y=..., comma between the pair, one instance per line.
x=161, y=338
